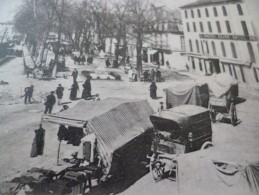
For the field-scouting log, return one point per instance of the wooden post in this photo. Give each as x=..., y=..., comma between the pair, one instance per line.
x=58, y=152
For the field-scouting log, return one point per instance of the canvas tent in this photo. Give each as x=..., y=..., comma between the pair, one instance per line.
x=221, y=84
x=198, y=173
x=187, y=93
x=115, y=122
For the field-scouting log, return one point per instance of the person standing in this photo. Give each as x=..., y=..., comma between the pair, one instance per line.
x=153, y=89
x=107, y=62
x=158, y=75
x=75, y=74
x=152, y=75
x=74, y=89
x=130, y=74
x=28, y=94
x=59, y=92
x=87, y=88
x=146, y=75
x=50, y=102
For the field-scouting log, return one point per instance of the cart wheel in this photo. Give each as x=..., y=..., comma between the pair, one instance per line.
x=157, y=170
x=233, y=114
x=206, y=145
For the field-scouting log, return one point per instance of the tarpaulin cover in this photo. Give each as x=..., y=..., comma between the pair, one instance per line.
x=198, y=174
x=220, y=84
x=118, y=127
x=189, y=93
x=83, y=111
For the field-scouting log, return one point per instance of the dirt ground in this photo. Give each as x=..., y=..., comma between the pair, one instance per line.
x=18, y=122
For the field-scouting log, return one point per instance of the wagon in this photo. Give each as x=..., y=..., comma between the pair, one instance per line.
x=223, y=98
x=178, y=130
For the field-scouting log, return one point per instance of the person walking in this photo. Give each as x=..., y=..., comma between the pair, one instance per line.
x=153, y=89
x=28, y=94
x=50, y=102
x=75, y=74
x=74, y=89
x=87, y=88
x=59, y=92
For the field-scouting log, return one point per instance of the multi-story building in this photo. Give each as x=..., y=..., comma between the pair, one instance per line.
x=222, y=36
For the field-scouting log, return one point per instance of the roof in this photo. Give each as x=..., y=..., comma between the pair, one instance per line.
x=206, y=2
x=181, y=113
x=83, y=111
x=119, y=126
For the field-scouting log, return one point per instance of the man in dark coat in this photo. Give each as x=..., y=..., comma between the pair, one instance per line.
x=87, y=88
x=107, y=62
x=28, y=94
x=50, y=102
x=152, y=75
x=74, y=88
x=158, y=76
x=59, y=92
x=153, y=89
x=146, y=75
x=75, y=74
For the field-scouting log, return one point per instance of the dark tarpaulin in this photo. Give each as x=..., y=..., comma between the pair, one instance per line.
x=190, y=93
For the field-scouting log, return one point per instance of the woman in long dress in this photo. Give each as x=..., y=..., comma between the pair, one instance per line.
x=74, y=89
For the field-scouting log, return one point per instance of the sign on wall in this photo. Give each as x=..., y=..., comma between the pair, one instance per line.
x=228, y=37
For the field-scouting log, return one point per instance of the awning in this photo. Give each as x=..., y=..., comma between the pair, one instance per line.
x=152, y=52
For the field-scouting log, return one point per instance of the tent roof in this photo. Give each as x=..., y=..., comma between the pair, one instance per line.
x=181, y=113
x=119, y=126
x=83, y=111
x=183, y=87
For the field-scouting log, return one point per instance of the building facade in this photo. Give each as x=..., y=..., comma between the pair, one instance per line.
x=222, y=36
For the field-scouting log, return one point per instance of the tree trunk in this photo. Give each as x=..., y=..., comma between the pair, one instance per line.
x=139, y=56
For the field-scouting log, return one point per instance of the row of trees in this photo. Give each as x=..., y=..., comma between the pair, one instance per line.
x=83, y=22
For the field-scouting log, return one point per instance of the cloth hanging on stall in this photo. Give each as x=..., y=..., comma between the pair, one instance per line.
x=38, y=142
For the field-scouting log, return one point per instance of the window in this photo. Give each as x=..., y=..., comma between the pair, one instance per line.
x=242, y=73
x=190, y=45
x=234, y=70
x=251, y=52
x=202, y=48
x=218, y=26
x=213, y=48
x=228, y=26
x=223, y=49
x=239, y=9
x=197, y=46
x=207, y=12
x=192, y=13
x=200, y=64
x=209, y=27
x=186, y=14
x=215, y=12
x=224, y=11
x=223, y=67
x=182, y=43
x=245, y=30
x=230, y=70
x=201, y=27
x=256, y=76
x=258, y=47
x=188, y=27
x=198, y=13
x=194, y=27
x=233, y=49
x=193, y=63
x=207, y=47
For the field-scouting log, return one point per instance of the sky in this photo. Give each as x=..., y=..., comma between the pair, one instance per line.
x=8, y=8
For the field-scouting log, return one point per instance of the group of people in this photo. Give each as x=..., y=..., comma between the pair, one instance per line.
x=108, y=63
x=75, y=87
x=81, y=59
x=152, y=76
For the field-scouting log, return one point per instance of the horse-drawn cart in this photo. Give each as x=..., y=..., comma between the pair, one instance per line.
x=179, y=130
x=223, y=97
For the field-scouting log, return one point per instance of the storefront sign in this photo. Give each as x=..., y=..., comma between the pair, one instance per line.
x=228, y=37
